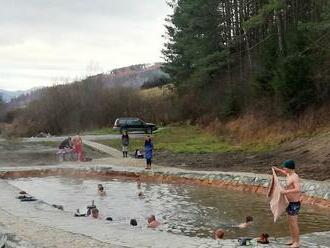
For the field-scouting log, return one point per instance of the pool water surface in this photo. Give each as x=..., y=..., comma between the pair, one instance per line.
x=182, y=209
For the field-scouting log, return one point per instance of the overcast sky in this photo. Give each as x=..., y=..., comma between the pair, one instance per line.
x=43, y=42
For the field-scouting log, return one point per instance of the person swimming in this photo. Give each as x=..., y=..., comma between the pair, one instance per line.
x=90, y=208
x=95, y=213
x=59, y=207
x=152, y=222
x=248, y=222
x=101, y=190
x=138, y=183
x=133, y=222
x=219, y=234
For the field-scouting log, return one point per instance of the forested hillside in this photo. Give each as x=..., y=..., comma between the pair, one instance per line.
x=232, y=56
x=245, y=69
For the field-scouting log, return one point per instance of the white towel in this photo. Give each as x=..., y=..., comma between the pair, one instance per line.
x=278, y=201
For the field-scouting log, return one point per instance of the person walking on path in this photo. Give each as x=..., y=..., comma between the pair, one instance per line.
x=125, y=143
x=292, y=192
x=148, y=150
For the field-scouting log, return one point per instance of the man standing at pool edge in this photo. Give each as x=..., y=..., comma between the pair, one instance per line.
x=292, y=192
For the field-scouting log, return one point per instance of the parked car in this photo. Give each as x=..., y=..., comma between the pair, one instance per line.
x=133, y=124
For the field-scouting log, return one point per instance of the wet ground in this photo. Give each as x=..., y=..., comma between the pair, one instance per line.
x=17, y=153
x=185, y=210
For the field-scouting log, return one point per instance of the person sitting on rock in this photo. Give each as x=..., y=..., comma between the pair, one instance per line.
x=152, y=222
x=248, y=222
x=219, y=234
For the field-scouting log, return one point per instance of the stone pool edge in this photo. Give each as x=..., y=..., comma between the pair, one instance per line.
x=316, y=193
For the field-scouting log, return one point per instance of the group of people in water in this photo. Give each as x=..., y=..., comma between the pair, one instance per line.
x=93, y=212
x=291, y=192
x=148, y=149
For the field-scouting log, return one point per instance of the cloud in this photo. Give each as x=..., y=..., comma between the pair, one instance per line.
x=63, y=36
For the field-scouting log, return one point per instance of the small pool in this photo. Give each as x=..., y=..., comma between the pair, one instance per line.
x=186, y=210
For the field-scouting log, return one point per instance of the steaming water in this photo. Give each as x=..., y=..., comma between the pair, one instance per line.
x=186, y=210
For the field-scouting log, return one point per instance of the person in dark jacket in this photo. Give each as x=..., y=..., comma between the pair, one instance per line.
x=148, y=151
x=125, y=143
x=65, y=143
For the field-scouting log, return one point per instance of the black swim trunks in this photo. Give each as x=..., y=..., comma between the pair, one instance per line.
x=293, y=208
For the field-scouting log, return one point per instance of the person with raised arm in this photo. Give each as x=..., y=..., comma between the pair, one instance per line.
x=293, y=193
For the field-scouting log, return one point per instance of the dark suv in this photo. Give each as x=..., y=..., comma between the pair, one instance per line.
x=133, y=124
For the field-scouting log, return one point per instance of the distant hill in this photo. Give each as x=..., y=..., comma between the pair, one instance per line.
x=131, y=76
x=7, y=95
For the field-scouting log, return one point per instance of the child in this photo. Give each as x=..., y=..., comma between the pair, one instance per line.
x=292, y=192
x=148, y=150
x=138, y=154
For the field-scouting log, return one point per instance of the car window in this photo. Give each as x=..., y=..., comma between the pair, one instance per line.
x=134, y=122
x=121, y=122
x=130, y=122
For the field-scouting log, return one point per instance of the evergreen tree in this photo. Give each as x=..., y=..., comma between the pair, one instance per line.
x=193, y=52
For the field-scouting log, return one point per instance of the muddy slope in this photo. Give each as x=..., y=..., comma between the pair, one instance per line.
x=312, y=156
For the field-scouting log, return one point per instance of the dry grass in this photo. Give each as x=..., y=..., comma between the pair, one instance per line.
x=258, y=129
x=165, y=90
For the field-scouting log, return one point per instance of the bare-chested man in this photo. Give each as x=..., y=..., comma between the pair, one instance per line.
x=292, y=192
x=152, y=222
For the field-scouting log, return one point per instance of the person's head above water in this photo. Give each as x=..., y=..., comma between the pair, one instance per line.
x=289, y=164
x=100, y=187
x=152, y=222
x=151, y=218
x=133, y=222
x=248, y=219
x=219, y=234
x=95, y=213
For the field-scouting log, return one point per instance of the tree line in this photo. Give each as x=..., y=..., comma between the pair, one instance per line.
x=85, y=105
x=230, y=56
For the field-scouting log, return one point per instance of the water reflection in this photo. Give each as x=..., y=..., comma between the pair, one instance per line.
x=187, y=210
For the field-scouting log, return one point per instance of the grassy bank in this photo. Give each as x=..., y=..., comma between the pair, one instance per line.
x=191, y=139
